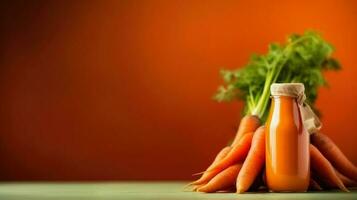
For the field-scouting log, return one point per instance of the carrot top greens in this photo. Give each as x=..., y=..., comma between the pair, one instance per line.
x=302, y=59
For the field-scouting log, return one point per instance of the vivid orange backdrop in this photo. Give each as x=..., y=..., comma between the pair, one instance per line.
x=94, y=90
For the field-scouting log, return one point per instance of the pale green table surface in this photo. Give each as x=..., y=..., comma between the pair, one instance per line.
x=143, y=190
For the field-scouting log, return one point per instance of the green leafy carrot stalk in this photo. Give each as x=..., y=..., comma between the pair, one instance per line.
x=303, y=58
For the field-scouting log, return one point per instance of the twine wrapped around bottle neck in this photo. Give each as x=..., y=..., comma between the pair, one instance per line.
x=311, y=122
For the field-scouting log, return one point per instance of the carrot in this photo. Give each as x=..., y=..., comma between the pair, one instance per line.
x=313, y=185
x=223, y=180
x=221, y=155
x=346, y=181
x=254, y=162
x=324, y=169
x=229, y=189
x=330, y=150
x=237, y=153
x=248, y=123
x=209, y=174
x=195, y=187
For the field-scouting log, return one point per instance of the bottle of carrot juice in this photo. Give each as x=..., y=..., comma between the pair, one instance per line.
x=287, y=141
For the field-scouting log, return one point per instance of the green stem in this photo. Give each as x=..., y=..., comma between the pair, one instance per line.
x=272, y=77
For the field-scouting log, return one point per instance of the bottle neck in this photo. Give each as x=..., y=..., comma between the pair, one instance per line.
x=285, y=105
x=284, y=98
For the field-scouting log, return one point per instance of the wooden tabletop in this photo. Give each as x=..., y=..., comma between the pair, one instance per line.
x=142, y=190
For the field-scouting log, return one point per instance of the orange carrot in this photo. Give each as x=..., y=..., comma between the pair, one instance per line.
x=346, y=181
x=248, y=123
x=221, y=155
x=195, y=187
x=254, y=162
x=223, y=180
x=209, y=174
x=237, y=153
x=324, y=169
x=330, y=150
x=314, y=185
x=229, y=189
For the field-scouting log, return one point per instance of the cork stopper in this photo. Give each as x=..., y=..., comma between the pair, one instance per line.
x=287, y=89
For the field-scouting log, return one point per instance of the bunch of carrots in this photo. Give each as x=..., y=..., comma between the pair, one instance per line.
x=240, y=166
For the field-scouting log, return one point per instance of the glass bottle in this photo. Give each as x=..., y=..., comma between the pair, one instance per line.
x=287, y=141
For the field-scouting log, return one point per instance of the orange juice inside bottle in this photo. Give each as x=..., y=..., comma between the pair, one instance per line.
x=287, y=147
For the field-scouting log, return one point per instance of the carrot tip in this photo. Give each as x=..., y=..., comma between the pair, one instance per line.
x=200, y=190
x=199, y=173
x=190, y=184
x=345, y=189
x=240, y=191
x=188, y=188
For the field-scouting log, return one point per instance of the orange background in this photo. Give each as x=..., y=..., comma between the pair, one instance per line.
x=122, y=89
